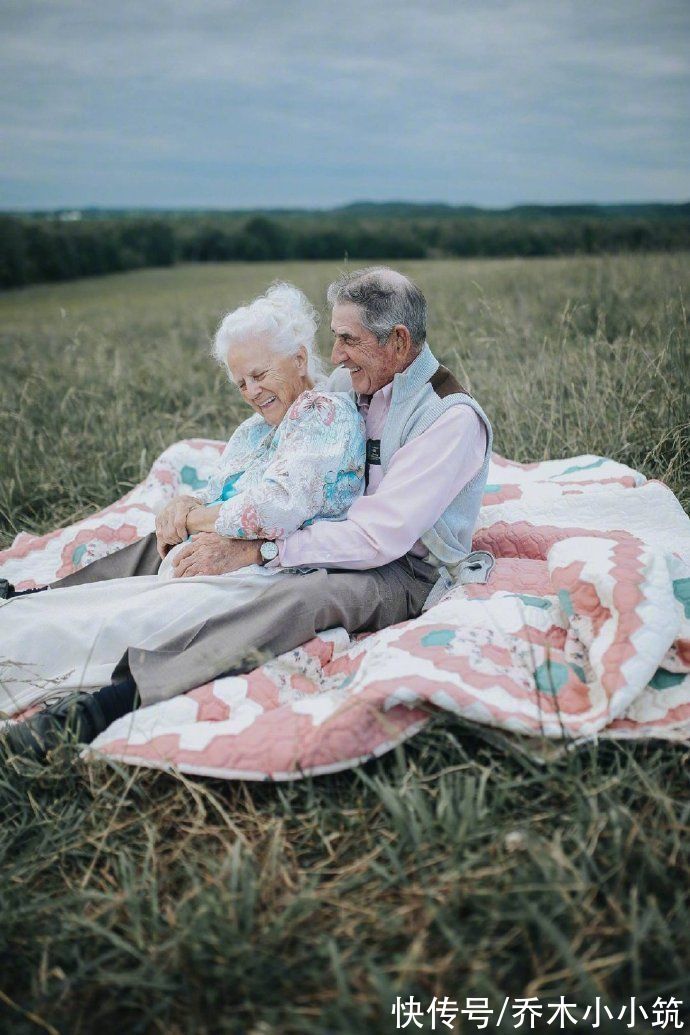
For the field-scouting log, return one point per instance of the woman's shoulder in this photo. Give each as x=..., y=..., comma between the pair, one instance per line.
x=323, y=406
x=247, y=434
x=252, y=427
x=254, y=422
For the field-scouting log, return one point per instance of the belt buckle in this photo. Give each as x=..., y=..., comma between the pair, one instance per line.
x=476, y=568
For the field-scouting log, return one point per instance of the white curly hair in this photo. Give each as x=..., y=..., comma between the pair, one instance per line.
x=283, y=317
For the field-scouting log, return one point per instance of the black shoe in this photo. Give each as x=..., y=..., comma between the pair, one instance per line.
x=78, y=715
x=7, y=590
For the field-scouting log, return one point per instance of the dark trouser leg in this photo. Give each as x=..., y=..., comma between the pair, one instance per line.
x=290, y=611
x=140, y=558
x=117, y=699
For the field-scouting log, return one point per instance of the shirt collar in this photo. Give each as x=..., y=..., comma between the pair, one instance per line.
x=384, y=394
x=408, y=382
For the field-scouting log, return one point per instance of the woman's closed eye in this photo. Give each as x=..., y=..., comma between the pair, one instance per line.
x=241, y=384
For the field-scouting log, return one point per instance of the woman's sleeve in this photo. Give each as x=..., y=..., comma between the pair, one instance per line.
x=321, y=440
x=209, y=492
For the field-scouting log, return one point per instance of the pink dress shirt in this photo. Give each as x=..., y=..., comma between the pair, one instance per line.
x=386, y=522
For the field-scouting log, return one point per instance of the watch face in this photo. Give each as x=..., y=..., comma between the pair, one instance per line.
x=268, y=551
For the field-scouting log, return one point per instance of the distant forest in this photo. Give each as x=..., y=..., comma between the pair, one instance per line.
x=51, y=246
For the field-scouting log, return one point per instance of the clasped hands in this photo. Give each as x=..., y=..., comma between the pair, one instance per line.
x=207, y=553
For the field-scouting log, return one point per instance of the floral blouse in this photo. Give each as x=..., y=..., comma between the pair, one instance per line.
x=271, y=481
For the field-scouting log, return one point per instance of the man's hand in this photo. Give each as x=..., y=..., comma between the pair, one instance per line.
x=171, y=523
x=211, y=554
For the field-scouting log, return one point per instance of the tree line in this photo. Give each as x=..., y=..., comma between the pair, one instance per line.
x=51, y=247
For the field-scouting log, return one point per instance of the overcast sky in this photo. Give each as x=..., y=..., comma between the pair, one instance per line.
x=268, y=103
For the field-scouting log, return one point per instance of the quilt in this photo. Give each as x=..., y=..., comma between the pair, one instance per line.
x=581, y=632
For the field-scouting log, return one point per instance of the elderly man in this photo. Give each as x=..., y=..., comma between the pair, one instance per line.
x=428, y=450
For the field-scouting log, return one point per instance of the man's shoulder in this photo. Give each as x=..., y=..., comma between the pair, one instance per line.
x=339, y=380
x=443, y=403
x=444, y=383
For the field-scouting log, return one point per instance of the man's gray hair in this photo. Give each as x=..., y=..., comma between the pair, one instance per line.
x=385, y=298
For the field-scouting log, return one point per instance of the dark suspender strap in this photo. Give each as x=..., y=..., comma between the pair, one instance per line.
x=373, y=457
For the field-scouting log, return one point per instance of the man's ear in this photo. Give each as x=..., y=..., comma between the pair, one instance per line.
x=402, y=338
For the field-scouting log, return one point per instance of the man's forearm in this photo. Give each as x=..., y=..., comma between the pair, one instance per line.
x=423, y=478
x=212, y=554
x=334, y=544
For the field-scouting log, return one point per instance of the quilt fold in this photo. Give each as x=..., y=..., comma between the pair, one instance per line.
x=582, y=631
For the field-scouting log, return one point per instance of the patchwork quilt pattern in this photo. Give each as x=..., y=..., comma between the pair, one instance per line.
x=581, y=632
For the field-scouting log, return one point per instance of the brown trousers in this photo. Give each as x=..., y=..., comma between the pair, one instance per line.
x=287, y=613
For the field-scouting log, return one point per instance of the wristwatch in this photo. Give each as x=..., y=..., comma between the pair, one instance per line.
x=268, y=551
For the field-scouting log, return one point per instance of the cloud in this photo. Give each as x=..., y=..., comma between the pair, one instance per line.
x=316, y=102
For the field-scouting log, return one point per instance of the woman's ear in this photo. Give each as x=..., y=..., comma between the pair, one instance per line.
x=301, y=358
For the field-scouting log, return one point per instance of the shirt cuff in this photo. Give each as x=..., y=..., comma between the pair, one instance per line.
x=277, y=560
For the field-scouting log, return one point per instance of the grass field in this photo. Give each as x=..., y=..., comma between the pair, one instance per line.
x=135, y=901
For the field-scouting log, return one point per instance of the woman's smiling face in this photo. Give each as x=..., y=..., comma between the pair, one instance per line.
x=269, y=381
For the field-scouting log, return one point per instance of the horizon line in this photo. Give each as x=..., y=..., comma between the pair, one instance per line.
x=361, y=202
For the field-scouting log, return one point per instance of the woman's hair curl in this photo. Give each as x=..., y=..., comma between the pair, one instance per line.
x=283, y=317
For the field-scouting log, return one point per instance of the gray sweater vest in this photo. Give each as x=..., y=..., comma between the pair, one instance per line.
x=421, y=393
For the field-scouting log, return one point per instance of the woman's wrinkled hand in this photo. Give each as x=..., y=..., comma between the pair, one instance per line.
x=171, y=523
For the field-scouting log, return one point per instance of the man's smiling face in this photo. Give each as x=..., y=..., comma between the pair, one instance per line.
x=371, y=365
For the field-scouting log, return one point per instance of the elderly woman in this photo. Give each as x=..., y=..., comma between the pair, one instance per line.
x=299, y=457
x=270, y=482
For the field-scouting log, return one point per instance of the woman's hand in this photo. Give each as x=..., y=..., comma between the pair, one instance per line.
x=171, y=523
x=202, y=519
